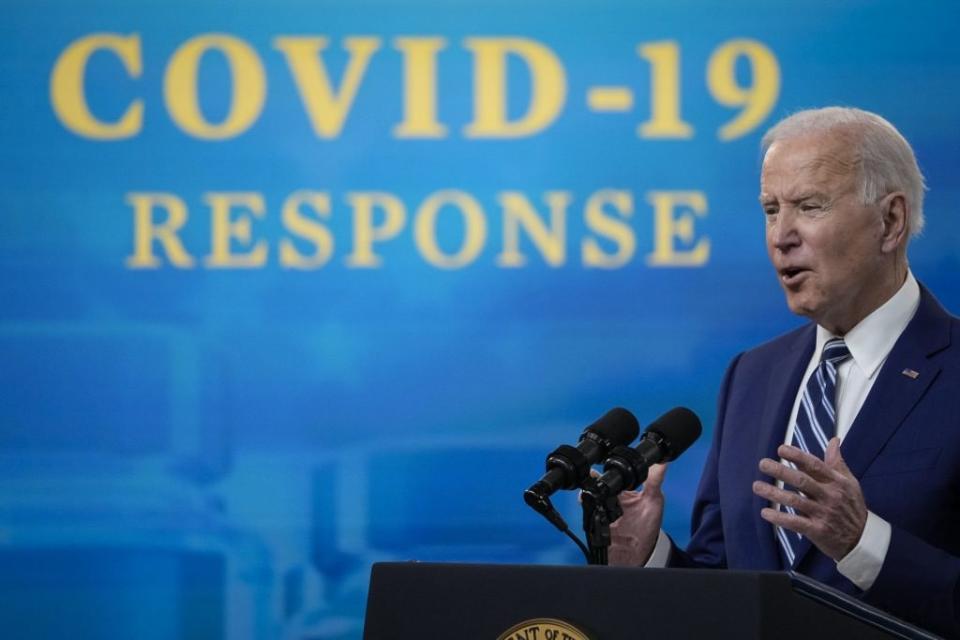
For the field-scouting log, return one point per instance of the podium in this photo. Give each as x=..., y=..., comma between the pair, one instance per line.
x=424, y=600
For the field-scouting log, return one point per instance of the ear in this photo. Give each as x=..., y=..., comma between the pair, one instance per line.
x=895, y=212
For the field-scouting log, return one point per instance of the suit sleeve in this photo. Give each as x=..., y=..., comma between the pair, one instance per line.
x=706, y=548
x=919, y=582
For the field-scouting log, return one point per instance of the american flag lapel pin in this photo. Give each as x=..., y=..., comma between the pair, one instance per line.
x=910, y=373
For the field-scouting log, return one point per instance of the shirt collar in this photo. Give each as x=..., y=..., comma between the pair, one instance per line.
x=871, y=341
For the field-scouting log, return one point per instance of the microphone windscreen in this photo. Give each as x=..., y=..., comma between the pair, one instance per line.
x=618, y=425
x=679, y=428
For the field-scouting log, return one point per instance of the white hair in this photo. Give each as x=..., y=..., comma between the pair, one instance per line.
x=885, y=159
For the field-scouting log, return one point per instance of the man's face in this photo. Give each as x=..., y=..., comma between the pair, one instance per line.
x=824, y=243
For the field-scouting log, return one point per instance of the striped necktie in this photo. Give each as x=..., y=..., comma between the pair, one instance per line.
x=816, y=425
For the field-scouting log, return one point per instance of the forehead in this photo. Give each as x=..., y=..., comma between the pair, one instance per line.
x=821, y=161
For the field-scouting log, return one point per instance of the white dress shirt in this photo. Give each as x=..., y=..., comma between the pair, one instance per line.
x=870, y=342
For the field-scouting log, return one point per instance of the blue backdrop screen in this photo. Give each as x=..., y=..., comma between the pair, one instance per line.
x=289, y=288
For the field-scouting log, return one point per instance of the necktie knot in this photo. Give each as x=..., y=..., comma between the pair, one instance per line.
x=835, y=351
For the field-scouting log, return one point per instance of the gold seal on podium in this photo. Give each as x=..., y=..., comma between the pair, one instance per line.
x=543, y=629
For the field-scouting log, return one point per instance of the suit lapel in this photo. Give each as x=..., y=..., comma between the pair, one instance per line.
x=895, y=393
x=781, y=392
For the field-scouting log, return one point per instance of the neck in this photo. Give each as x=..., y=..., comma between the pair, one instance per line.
x=870, y=301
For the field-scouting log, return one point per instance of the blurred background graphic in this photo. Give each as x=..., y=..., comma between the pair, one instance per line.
x=288, y=288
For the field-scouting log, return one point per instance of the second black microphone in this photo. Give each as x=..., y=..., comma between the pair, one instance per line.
x=666, y=438
x=568, y=467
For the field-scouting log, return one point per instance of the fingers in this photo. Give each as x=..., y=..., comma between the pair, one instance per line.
x=649, y=490
x=791, y=521
x=776, y=495
x=832, y=453
x=795, y=477
x=834, y=459
x=593, y=474
x=828, y=505
x=808, y=463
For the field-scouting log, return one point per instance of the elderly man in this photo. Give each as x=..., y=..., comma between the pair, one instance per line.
x=836, y=451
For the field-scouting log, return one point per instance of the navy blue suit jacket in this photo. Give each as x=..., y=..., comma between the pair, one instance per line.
x=904, y=447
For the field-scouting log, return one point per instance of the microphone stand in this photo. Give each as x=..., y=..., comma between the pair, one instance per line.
x=599, y=510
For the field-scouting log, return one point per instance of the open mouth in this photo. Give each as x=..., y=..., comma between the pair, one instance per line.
x=791, y=275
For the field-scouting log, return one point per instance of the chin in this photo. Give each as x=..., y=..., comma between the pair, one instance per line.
x=801, y=307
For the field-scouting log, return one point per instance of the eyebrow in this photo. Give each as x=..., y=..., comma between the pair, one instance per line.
x=806, y=195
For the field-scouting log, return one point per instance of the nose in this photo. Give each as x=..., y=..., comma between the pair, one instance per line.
x=782, y=234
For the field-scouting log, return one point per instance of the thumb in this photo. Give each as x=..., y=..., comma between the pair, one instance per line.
x=655, y=478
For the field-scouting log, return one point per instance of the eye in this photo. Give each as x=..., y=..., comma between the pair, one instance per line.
x=771, y=209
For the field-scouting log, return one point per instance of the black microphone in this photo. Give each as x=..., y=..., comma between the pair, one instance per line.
x=665, y=439
x=568, y=467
